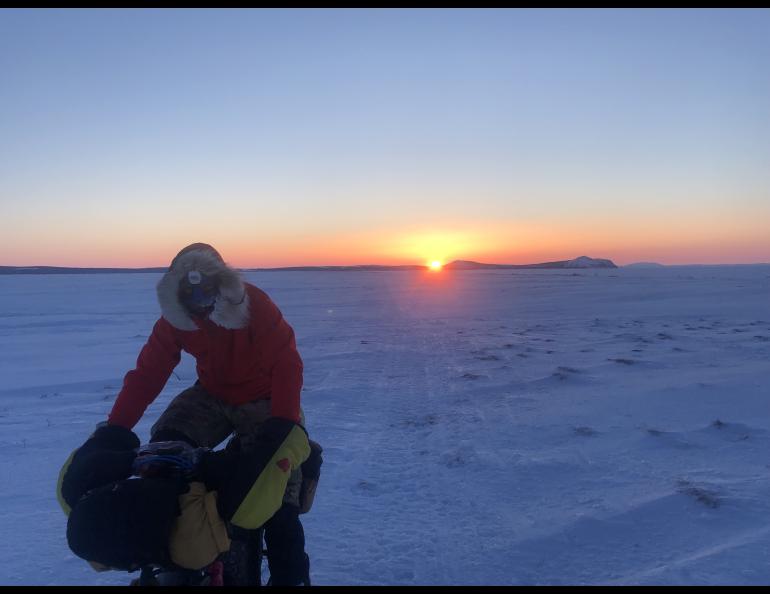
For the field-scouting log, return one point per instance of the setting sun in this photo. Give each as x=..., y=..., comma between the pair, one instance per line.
x=435, y=265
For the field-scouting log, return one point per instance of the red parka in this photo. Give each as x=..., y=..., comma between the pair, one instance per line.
x=237, y=365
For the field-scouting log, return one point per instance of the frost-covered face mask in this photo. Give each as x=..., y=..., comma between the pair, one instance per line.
x=198, y=292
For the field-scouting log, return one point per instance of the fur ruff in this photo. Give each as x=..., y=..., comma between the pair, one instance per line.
x=231, y=309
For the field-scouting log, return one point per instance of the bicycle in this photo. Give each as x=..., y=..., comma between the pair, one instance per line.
x=240, y=566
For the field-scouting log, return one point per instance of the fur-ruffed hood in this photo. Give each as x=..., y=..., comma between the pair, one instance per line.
x=231, y=309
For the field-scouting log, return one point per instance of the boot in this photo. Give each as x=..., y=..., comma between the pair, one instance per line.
x=289, y=564
x=241, y=564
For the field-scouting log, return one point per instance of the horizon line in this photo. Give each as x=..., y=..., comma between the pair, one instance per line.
x=384, y=267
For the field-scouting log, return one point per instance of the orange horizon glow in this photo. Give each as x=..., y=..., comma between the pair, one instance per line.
x=492, y=243
x=695, y=256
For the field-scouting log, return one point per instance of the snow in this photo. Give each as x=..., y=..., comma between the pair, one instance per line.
x=598, y=426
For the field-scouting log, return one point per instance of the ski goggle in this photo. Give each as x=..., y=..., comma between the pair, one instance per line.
x=198, y=290
x=167, y=459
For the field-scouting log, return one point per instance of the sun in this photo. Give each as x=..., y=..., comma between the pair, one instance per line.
x=435, y=265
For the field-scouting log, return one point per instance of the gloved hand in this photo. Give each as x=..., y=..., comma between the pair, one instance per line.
x=266, y=457
x=217, y=468
x=106, y=456
x=275, y=429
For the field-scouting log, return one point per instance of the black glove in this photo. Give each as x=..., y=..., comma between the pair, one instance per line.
x=234, y=470
x=105, y=457
x=113, y=437
x=275, y=429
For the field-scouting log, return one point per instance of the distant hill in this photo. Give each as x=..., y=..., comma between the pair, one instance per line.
x=644, y=265
x=375, y=267
x=581, y=262
x=67, y=270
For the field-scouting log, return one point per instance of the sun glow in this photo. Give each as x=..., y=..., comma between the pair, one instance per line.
x=435, y=265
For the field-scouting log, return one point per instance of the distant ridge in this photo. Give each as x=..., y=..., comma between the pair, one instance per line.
x=644, y=265
x=375, y=267
x=581, y=262
x=67, y=270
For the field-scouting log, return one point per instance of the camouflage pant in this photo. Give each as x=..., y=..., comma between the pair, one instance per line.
x=208, y=421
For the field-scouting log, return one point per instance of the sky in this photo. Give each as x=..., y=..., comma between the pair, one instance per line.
x=384, y=136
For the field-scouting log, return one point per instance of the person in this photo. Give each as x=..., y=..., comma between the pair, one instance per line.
x=249, y=381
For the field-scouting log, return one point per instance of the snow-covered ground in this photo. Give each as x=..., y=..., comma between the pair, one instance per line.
x=480, y=427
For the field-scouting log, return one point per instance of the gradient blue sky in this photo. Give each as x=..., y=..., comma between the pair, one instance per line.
x=302, y=136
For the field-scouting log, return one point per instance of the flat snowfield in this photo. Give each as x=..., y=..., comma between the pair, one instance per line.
x=479, y=427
